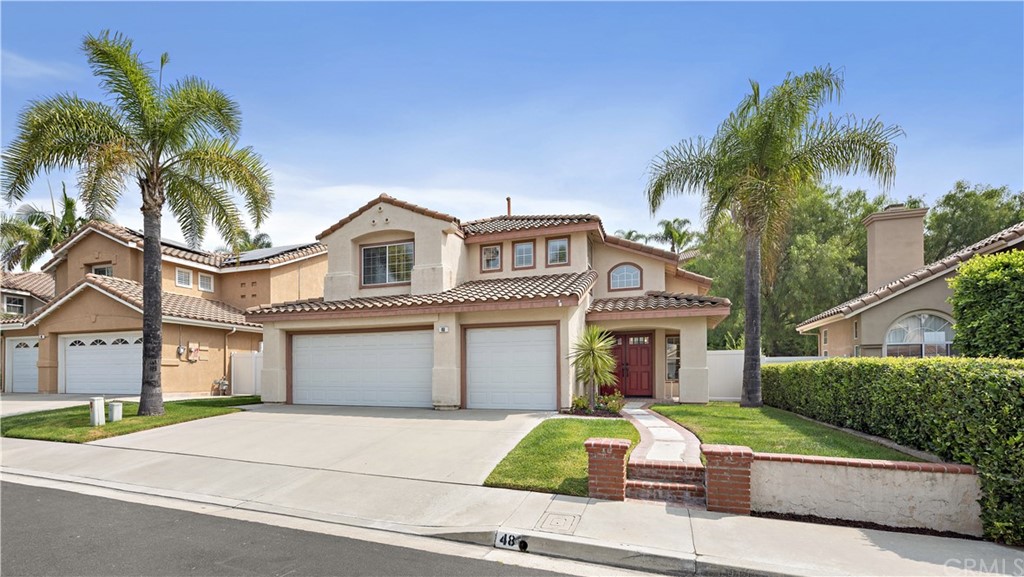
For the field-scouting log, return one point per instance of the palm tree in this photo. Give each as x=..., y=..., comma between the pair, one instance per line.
x=675, y=232
x=755, y=163
x=593, y=360
x=633, y=235
x=247, y=241
x=31, y=231
x=177, y=142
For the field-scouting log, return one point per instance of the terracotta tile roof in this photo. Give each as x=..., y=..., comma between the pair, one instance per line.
x=641, y=247
x=392, y=201
x=481, y=291
x=174, y=305
x=656, y=300
x=1011, y=235
x=512, y=223
x=8, y=319
x=176, y=249
x=37, y=284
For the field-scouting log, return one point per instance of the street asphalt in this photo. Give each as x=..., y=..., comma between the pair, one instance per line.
x=55, y=533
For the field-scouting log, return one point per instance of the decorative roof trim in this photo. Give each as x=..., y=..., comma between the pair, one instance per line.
x=540, y=231
x=484, y=306
x=392, y=201
x=713, y=311
x=700, y=279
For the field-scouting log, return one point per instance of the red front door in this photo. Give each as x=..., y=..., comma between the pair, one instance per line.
x=633, y=360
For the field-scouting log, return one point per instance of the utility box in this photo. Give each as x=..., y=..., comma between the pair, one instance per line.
x=116, y=410
x=96, y=416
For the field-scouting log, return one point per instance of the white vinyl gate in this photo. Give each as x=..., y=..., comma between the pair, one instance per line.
x=246, y=371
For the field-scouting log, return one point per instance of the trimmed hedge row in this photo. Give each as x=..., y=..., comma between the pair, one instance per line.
x=964, y=410
x=988, y=305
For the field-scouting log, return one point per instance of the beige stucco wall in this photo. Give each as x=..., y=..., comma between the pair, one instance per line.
x=296, y=281
x=895, y=245
x=928, y=297
x=97, y=249
x=246, y=289
x=92, y=312
x=674, y=284
x=387, y=223
x=578, y=257
x=936, y=501
x=840, y=339
x=607, y=257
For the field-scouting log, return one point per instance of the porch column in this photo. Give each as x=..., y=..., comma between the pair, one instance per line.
x=273, y=386
x=693, y=360
x=447, y=375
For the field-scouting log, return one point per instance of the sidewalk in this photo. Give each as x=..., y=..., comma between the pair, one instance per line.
x=628, y=534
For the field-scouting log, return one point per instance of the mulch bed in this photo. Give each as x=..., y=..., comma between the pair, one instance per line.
x=597, y=413
x=861, y=525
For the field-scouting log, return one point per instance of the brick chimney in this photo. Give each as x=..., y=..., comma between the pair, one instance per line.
x=895, y=243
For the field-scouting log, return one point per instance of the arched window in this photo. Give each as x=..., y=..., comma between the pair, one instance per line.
x=97, y=342
x=624, y=276
x=76, y=343
x=119, y=342
x=920, y=335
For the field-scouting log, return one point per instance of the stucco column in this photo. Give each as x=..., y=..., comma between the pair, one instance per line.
x=274, y=374
x=49, y=350
x=447, y=377
x=693, y=360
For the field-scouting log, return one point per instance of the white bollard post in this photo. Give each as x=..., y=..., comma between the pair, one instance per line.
x=115, y=411
x=96, y=416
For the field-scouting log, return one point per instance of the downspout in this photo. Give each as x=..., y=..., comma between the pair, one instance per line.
x=227, y=356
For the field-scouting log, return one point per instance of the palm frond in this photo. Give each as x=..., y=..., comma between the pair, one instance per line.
x=124, y=76
x=195, y=108
x=55, y=133
x=687, y=167
x=844, y=145
x=239, y=170
x=102, y=178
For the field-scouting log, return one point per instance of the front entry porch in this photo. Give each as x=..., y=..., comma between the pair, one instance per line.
x=634, y=365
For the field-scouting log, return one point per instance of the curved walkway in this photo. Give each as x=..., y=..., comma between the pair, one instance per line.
x=661, y=439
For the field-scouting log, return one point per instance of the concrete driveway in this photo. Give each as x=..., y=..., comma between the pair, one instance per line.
x=17, y=403
x=450, y=446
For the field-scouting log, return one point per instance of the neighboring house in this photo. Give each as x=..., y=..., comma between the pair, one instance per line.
x=908, y=313
x=422, y=310
x=88, y=339
x=24, y=292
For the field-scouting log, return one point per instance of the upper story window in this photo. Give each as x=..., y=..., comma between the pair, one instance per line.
x=206, y=282
x=490, y=258
x=103, y=269
x=388, y=263
x=183, y=277
x=625, y=276
x=14, y=305
x=558, y=251
x=920, y=335
x=856, y=330
x=824, y=337
x=523, y=255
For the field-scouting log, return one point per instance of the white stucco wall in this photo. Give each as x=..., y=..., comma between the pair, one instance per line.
x=887, y=496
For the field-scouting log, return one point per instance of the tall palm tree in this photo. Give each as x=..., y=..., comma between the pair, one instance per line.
x=674, y=232
x=633, y=235
x=178, y=143
x=751, y=169
x=247, y=241
x=31, y=231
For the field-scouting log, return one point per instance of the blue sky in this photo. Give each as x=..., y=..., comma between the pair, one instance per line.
x=559, y=105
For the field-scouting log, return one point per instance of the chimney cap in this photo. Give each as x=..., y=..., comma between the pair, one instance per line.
x=895, y=206
x=895, y=213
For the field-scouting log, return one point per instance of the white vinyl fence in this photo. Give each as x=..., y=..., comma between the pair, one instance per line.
x=725, y=372
x=246, y=369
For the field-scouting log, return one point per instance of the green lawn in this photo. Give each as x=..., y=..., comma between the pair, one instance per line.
x=71, y=425
x=770, y=430
x=551, y=459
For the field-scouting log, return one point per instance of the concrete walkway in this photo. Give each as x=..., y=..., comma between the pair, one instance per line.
x=661, y=439
x=626, y=534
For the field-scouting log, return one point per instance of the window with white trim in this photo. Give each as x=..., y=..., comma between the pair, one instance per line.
x=490, y=257
x=558, y=251
x=14, y=305
x=388, y=263
x=523, y=253
x=625, y=276
x=103, y=269
x=672, y=358
x=183, y=277
x=920, y=335
x=824, y=337
x=206, y=282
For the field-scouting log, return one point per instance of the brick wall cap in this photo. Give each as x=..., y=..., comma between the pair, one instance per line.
x=727, y=450
x=952, y=468
x=605, y=443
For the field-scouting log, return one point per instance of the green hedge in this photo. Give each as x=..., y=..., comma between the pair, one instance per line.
x=988, y=305
x=963, y=410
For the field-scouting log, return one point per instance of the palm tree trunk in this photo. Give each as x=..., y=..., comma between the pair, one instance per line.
x=151, y=401
x=592, y=395
x=751, y=395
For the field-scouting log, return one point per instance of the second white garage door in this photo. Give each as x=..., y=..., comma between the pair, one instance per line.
x=390, y=369
x=511, y=368
x=107, y=363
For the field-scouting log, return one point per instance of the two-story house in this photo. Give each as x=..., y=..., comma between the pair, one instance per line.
x=88, y=337
x=422, y=310
x=24, y=292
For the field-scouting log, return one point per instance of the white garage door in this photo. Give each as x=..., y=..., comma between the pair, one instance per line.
x=22, y=372
x=390, y=369
x=103, y=363
x=511, y=368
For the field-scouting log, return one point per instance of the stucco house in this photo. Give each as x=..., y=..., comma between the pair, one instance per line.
x=87, y=338
x=907, y=312
x=422, y=310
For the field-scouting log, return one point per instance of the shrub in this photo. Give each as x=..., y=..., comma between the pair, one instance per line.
x=612, y=403
x=964, y=410
x=988, y=305
x=580, y=403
